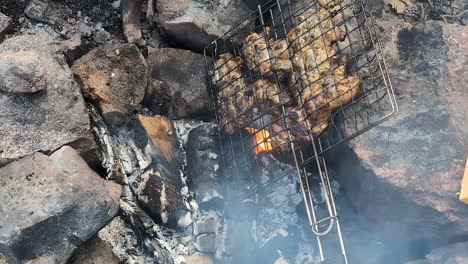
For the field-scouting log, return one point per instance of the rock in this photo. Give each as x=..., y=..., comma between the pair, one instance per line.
x=113, y=76
x=206, y=242
x=45, y=120
x=6, y=25
x=193, y=25
x=60, y=193
x=101, y=37
x=46, y=11
x=94, y=251
x=178, y=85
x=21, y=72
x=131, y=20
x=412, y=165
x=207, y=225
x=195, y=259
x=74, y=48
x=203, y=165
x=116, y=4
x=452, y=254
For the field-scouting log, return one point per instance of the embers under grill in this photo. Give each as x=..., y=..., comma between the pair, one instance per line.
x=290, y=82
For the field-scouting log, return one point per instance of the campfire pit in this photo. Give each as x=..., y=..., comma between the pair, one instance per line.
x=283, y=93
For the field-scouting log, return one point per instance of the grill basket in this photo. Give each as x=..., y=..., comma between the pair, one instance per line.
x=244, y=82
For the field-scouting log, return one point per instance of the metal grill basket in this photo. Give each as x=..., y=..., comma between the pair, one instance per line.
x=288, y=83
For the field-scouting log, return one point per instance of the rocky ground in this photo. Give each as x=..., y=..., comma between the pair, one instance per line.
x=108, y=152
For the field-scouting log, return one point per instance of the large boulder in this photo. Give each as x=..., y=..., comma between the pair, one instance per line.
x=51, y=205
x=178, y=83
x=403, y=176
x=113, y=76
x=194, y=24
x=44, y=120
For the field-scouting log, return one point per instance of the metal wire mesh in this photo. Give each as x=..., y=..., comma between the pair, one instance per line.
x=290, y=82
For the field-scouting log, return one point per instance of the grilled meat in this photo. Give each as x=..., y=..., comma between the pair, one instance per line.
x=308, y=102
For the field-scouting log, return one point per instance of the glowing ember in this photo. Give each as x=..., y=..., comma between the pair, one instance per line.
x=262, y=140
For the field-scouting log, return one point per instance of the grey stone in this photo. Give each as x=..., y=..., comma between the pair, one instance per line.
x=131, y=10
x=208, y=225
x=193, y=25
x=196, y=259
x=114, y=76
x=178, y=85
x=51, y=205
x=412, y=165
x=206, y=242
x=101, y=37
x=6, y=25
x=46, y=11
x=21, y=72
x=94, y=251
x=45, y=120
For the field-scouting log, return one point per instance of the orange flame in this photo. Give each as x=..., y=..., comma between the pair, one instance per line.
x=262, y=140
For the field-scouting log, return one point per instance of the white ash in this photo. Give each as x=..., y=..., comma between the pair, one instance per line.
x=123, y=241
x=105, y=144
x=120, y=151
x=306, y=254
x=183, y=127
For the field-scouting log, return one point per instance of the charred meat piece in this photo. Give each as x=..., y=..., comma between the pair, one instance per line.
x=340, y=88
x=314, y=27
x=280, y=52
x=234, y=96
x=260, y=55
x=235, y=111
x=227, y=69
x=256, y=53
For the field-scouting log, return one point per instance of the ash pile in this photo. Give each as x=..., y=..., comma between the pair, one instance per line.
x=109, y=149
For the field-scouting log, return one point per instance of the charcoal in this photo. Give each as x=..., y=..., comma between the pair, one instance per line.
x=204, y=166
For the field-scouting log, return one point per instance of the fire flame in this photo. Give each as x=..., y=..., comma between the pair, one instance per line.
x=262, y=140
